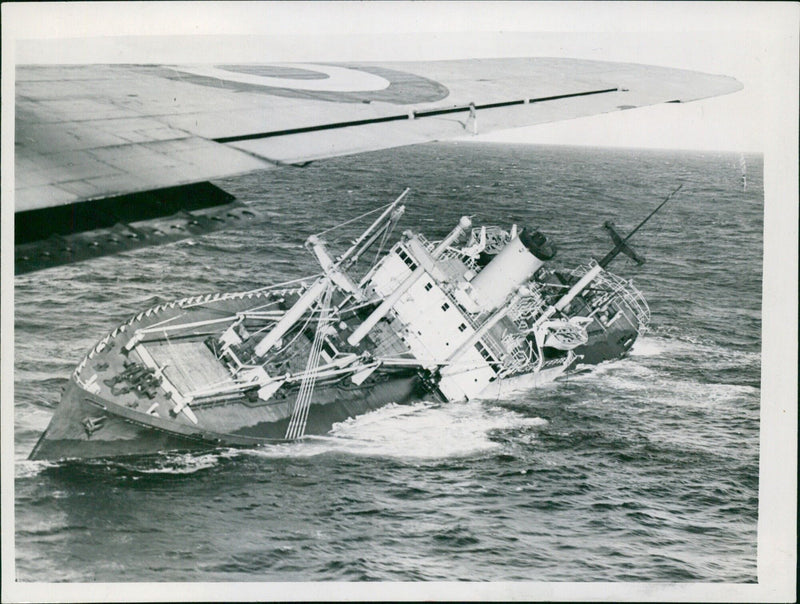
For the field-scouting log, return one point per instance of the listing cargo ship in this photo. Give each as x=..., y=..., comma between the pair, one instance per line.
x=479, y=312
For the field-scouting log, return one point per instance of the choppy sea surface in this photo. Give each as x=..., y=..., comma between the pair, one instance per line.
x=644, y=469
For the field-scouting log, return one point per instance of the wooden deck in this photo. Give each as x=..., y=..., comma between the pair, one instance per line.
x=189, y=365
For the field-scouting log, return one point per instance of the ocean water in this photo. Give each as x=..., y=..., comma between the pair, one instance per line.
x=643, y=469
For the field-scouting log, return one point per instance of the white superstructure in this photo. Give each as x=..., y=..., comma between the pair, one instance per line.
x=453, y=315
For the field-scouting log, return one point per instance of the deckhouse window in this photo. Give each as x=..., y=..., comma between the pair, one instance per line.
x=409, y=261
x=485, y=353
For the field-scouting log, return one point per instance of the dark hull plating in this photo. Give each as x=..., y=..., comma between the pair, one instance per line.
x=87, y=426
x=121, y=431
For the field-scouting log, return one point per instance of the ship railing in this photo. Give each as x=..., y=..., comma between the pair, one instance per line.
x=623, y=289
x=430, y=246
x=469, y=261
x=511, y=340
x=526, y=309
x=495, y=347
x=515, y=358
x=558, y=361
x=496, y=238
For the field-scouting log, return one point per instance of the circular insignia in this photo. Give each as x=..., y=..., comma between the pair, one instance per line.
x=348, y=83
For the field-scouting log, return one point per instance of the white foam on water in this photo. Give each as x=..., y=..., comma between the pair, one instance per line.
x=660, y=389
x=511, y=388
x=424, y=430
x=651, y=345
x=631, y=374
x=648, y=347
x=176, y=463
x=26, y=469
x=420, y=431
x=696, y=394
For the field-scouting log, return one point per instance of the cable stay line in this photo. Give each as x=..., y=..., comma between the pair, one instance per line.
x=297, y=423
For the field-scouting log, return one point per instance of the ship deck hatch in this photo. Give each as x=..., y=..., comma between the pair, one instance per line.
x=190, y=365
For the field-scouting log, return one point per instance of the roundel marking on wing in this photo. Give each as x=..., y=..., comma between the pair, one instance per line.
x=341, y=83
x=334, y=79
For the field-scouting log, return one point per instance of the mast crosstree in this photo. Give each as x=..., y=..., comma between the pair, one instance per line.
x=621, y=245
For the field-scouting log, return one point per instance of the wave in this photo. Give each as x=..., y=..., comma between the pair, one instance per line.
x=686, y=344
x=28, y=469
x=184, y=463
x=664, y=389
x=423, y=430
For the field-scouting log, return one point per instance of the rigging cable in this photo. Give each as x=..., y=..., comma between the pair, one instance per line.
x=297, y=423
x=387, y=232
x=345, y=223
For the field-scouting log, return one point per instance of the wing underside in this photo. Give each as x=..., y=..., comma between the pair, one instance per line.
x=119, y=140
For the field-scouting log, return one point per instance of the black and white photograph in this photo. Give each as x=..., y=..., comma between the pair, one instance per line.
x=399, y=301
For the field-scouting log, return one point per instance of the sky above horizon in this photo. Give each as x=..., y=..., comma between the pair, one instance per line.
x=719, y=38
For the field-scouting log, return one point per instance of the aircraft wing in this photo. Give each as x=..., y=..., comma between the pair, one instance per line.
x=110, y=157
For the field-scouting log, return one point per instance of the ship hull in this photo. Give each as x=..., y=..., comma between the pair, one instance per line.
x=91, y=425
x=88, y=426
x=607, y=345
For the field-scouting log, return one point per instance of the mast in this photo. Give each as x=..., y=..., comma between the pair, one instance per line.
x=621, y=244
x=333, y=274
